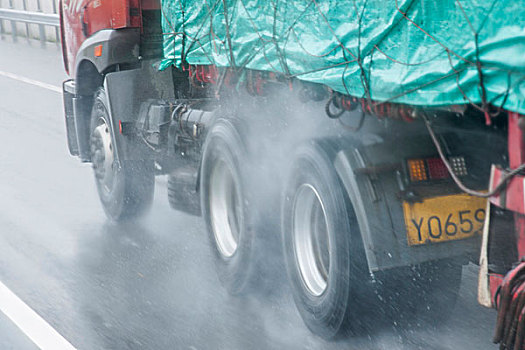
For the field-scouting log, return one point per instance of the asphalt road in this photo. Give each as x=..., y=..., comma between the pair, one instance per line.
x=147, y=285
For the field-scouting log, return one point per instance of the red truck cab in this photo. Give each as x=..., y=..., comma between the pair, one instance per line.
x=80, y=19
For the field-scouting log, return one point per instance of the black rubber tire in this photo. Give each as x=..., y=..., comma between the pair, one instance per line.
x=225, y=146
x=134, y=181
x=328, y=313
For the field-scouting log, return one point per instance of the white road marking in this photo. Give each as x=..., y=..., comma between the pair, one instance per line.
x=34, y=327
x=31, y=81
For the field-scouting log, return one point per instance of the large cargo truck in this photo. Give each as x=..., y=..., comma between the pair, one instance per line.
x=339, y=135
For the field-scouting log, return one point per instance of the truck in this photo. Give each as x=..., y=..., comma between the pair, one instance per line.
x=352, y=141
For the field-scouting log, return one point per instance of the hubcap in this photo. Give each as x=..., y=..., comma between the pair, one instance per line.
x=311, y=239
x=102, y=156
x=224, y=209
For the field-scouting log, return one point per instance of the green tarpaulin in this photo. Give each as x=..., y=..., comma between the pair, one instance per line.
x=418, y=52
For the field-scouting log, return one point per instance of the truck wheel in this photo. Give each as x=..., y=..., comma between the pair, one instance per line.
x=125, y=191
x=225, y=203
x=323, y=251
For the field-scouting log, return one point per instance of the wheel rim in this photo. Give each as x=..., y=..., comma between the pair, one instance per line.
x=224, y=209
x=311, y=239
x=102, y=157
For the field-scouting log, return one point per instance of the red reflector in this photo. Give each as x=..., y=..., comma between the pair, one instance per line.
x=437, y=169
x=120, y=126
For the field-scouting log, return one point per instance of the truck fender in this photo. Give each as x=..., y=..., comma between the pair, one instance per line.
x=114, y=47
x=363, y=204
x=107, y=48
x=126, y=91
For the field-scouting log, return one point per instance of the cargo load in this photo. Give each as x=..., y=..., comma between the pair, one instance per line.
x=423, y=53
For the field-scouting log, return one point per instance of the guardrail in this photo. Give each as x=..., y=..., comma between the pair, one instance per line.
x=29, y=17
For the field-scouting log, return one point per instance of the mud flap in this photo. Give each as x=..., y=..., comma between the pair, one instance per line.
x=126, y=90
x=484, y=294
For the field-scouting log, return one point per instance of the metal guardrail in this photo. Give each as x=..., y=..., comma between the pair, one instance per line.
x=28, y=17
x=47, y=19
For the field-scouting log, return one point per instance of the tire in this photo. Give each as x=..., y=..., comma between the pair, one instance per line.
x=323, y=251
x=126, y=192
x=225, y=205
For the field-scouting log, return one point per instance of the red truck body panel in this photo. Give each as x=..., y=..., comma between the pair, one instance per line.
x=507, y=290
x=82, y=18
x=513, y=197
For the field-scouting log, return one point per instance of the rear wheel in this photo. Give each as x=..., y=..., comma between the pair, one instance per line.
x=226, y=205
x=323, y=252
x=327, y=267
x=126, y=191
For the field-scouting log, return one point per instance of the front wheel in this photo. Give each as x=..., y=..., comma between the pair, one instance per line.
x=125, y=189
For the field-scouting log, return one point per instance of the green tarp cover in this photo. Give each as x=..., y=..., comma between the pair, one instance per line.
x=418, y=52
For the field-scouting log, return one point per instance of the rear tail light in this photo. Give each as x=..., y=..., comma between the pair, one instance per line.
x=437, y=169
x=434, y=169
x=417, y=171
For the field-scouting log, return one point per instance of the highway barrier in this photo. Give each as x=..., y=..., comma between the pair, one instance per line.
x=21, y=22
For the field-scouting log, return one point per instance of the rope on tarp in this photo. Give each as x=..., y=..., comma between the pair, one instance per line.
x=269, y=41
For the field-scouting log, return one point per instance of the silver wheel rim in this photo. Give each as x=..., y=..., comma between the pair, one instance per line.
x=102, y=157
x=224, y=209
x=311, y=239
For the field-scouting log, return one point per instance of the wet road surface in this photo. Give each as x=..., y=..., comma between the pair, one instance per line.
x=146, y=285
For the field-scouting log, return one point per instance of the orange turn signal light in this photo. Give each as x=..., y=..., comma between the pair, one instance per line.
x=98, y=50
x=416, y=170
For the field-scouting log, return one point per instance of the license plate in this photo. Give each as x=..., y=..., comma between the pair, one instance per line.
x=442, y=219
